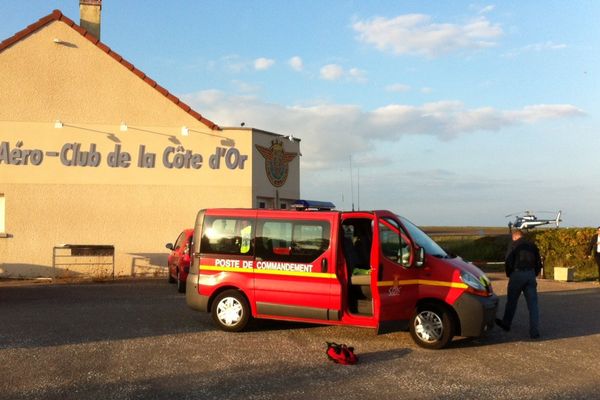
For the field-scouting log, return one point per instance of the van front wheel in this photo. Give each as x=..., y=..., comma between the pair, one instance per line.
x=230, y=311
x=432, y=327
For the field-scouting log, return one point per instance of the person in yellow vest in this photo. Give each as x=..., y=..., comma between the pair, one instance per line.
x=594, y=248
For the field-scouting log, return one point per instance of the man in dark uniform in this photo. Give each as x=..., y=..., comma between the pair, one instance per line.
x=595, y=248
x=523, y=264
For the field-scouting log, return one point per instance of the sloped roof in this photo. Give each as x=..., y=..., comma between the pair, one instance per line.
x=57, y=15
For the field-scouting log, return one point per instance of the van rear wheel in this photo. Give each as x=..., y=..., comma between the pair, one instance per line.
x=230, y=311
x=432, y=326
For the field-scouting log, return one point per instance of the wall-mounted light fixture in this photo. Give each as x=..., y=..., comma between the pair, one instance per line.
x=58, y=124
x=123, y=127
x=185, y=131
x=291, y=138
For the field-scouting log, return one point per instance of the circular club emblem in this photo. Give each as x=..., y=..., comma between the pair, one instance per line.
x=276, y=162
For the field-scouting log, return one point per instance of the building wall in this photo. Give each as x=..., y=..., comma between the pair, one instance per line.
x=90, y=180
x=74, y=81
x=136, y=208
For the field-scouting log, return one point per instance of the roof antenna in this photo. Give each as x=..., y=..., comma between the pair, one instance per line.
x=358, y=186
x=351, y=183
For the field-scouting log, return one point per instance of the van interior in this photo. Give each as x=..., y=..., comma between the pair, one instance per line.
x=356, y=245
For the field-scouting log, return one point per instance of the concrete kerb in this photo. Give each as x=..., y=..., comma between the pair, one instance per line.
x=12, y=282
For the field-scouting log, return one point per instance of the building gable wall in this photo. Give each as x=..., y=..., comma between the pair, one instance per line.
x=80, y=83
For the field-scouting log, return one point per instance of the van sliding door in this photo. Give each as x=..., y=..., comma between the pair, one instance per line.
x=294, y=268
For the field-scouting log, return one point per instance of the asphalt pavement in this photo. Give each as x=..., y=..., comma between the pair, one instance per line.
x=137, y=339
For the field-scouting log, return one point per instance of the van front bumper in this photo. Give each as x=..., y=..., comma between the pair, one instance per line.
x=476, y=314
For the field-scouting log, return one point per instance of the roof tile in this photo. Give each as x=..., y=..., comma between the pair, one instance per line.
x=173, y=98
x=103, y=47
x=91, y=38
x=139, y=73
x=195, y=114
x=79, y=29
x=127, y=64
x=162, y=90
x=151, y=82
x=116, y=56
x=184, y=106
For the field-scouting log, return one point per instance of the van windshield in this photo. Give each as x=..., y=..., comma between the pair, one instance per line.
x=424, y=241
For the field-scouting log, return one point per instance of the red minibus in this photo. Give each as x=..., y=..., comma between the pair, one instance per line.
x=314, y=264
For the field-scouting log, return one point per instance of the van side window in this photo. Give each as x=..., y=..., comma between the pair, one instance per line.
x=394, y=245
x=292, y=241
x=222, y=235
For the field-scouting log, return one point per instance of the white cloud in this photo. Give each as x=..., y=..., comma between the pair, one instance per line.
x=393, y=173
x=334, y=72
x=536, y=48
x=331, y=72
x=233, y=63
x=353, y=130
x=416, y=34
x=539, y=112
x=485, y=9
x=262, y=64
x=397, y=88
x=357, y=75
x=296, y=63
x=245, y=87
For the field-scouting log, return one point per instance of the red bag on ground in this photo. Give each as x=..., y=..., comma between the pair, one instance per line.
x=341, y=354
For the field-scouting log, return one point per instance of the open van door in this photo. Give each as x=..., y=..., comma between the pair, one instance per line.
x=396, y=294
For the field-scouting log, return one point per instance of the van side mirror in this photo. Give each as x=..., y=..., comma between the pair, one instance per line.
x=420, y=257
x=169, y=246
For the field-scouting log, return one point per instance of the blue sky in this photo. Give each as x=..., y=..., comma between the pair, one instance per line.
x=453, y=113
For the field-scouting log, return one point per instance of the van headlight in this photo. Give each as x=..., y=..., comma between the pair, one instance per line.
x=472, y=281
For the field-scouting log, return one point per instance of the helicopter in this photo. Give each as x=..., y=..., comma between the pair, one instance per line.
x=527, y=220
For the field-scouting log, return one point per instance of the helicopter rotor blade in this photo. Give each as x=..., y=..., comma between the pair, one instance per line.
x=516, y=213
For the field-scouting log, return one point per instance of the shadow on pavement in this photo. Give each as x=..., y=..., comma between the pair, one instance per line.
x=563, y=314
x=280, y=380
x=50, y=315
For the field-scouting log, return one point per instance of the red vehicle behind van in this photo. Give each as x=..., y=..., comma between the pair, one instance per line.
x=178, y=262
x=365, y=268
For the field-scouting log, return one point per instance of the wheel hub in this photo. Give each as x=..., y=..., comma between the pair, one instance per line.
x=429, y=326
x=229, y=311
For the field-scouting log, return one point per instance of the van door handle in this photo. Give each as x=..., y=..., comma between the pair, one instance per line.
x=324, y=265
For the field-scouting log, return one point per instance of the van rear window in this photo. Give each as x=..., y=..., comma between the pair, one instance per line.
x=292, y=240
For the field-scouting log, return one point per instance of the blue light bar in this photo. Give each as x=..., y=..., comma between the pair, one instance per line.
x=313, y=205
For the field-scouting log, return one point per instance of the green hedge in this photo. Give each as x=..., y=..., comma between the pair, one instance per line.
x=564, y=247
x=478, y=249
